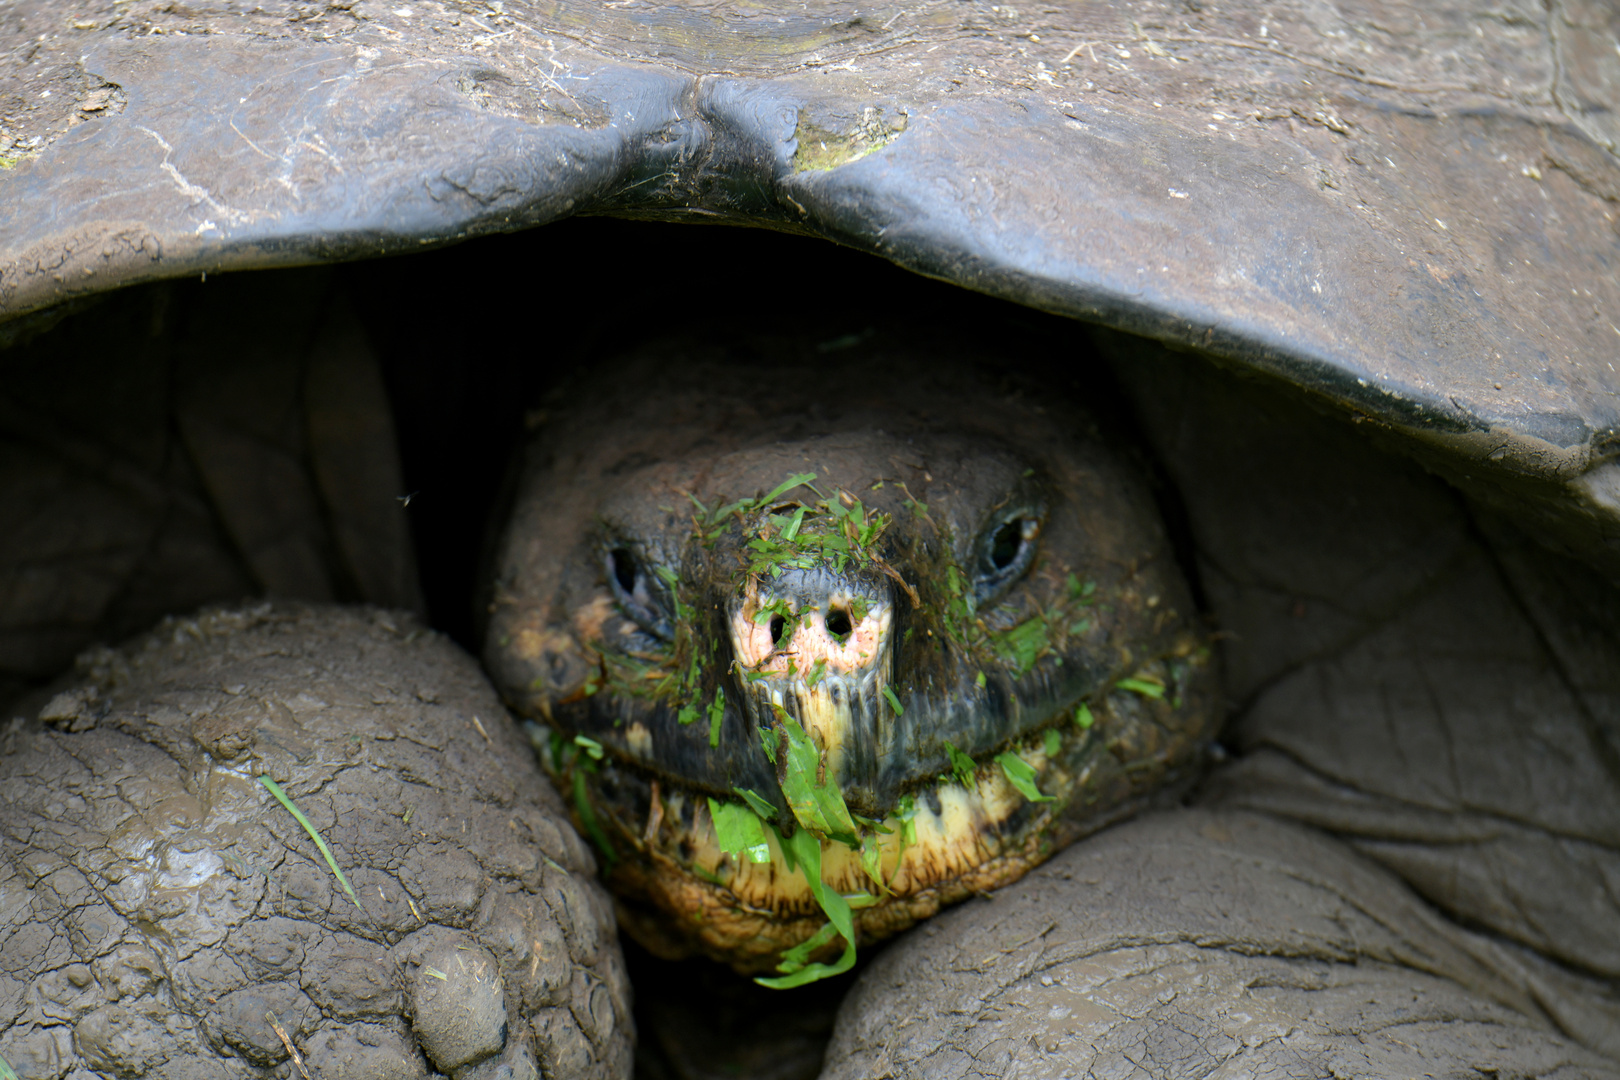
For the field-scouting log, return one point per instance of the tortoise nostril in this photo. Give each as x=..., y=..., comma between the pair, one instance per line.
x=838, y=624
x=778, y=624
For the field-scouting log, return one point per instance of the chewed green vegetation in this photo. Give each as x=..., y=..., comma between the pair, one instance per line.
x=820, y=813
x=713, y=522
x=818, y=806
x=1021, y=646
x=740, y=830
x=1145, y=685
x=1021, y=774
x=836, y=530
x=579, y=758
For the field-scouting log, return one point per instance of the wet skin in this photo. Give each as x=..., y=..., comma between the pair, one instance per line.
x=922, y=632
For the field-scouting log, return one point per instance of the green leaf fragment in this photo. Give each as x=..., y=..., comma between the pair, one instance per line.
x=435, y=973
x=872, y=824
x=1142, y=686
x=786, y=486
x=817, y=806
x=587, y=817
x=723, y=512
x=980, y=681
x=326, y=853
x=807, y=850
x=1024, y=644
x=963, y=767
x=687, y=715
x=814, y=675
x=1083, y=717
x=1022, y=776
x=717, y=713
x=1080, y=590
x=753, y=798
x=590, y=746
x=907, y=814
x=767, y=742
x=708, y=875
x=797, y=957
x=5, y=1069
x=559, y=750
x=872, y=861
x=739, y=831
x=788, y=858
x=894, y=702
x=1054, y=742
x=793, y=526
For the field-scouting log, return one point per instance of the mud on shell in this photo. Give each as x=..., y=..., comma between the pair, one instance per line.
x=817, y=662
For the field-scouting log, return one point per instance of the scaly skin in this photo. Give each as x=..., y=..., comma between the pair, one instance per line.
x=956, y=604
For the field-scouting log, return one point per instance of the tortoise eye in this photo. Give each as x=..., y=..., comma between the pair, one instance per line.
x=639, y=592
x=624, y=569
x=1006, y=544
x=1005, y=551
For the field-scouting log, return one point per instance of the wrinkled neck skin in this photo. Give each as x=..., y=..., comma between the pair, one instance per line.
x=932, y=626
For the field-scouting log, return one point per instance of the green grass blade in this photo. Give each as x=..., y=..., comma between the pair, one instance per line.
x=786, y=486
x=1143, y=687
x=281, y=796
x=807, y=851
x=587, y=815
x=5, y=1071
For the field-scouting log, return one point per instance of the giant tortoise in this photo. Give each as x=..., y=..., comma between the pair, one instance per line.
x=1193, y=650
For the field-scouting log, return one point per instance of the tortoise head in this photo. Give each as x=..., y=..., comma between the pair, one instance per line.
x=826, y=646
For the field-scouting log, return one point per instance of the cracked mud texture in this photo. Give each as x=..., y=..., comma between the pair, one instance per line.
x=161, y=915
x=1203, y=943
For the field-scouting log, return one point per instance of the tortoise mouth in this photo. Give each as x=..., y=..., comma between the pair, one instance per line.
x=691, y=880
x=949, y=840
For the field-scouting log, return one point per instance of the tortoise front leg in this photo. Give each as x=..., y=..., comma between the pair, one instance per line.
x=1208, y=943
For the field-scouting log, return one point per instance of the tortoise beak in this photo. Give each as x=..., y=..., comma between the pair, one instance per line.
x=819, y=646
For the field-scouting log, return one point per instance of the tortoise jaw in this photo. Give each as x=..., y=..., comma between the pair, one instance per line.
x=684, y=887
x=947, y=842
